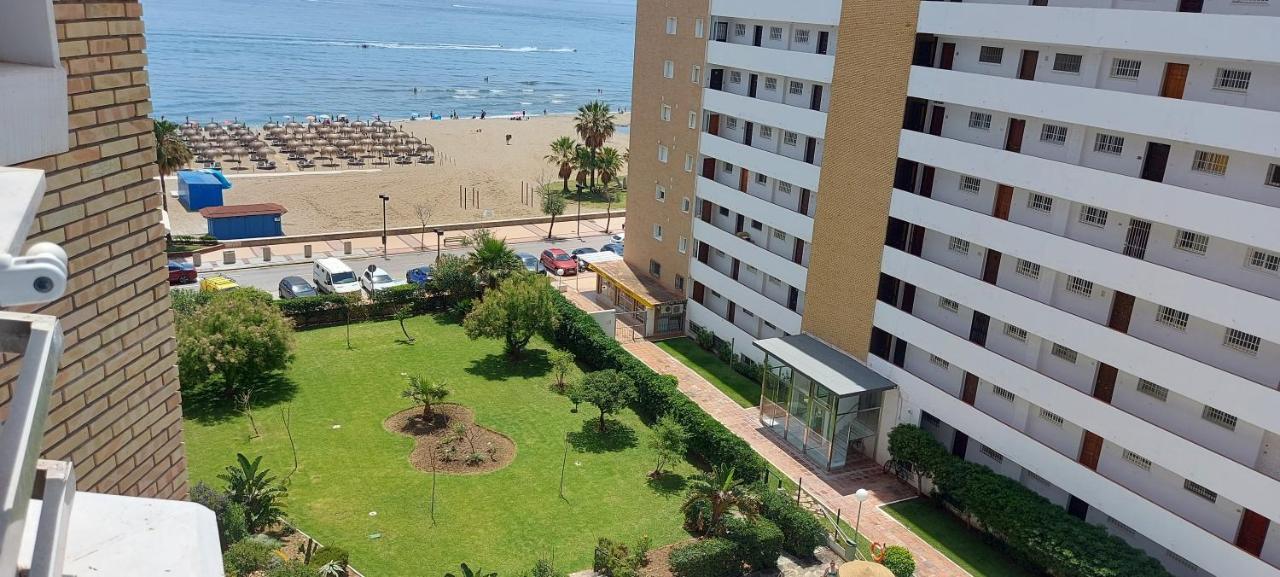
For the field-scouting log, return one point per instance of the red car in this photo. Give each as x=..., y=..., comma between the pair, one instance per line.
x=558, y=262
x=181, y=272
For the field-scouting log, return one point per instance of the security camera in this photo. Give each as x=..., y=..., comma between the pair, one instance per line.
x=38, y=277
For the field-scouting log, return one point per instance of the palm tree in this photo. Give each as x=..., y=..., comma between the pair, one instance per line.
x=717, y=494
x=563, y=152
x=493, y=260
x=583, y=162
x=171, y=154
x=610, y=165
x=249, y=485
x=594, y=124
x=468, y=572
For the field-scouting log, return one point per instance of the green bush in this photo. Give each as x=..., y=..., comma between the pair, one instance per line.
x=185, y=302
x=1035, y=530
x=229, y=515
x=320, y=302
x=714, y=557
x=229, y=344
x=292, y=569
x=802, y=532
x=759, y=541
x=616, y=559
x=249, y=555
x=401, y=295
x=899, y=560
x=331, y=553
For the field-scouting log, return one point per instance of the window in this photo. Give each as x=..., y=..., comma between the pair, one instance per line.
x=766, y=132
x=949, y=305
x=685, y=204
x=1232, y=79
x=772, y=279
x=723, y=212
x=1210, y=163
x=1136, y=460
x=1003, y=393
x=671, y=25
x=735, y=77
x=757, y=225
x=655, y=268
x=1051, y=416
x=959, y=245
x=939, y=361
x=992, y=454
x=727, y=167
x=1015, y=333
x=927, y=420
x=662, y=153
x=784, y=187
x=795, y=87
x=980, y=120
x=661, y=193
x=1172, y=317
x=761, y=179
x=779, y=234
x=666, y=113
x=789, y=138
x=770, y=83
x=1125, y=68
x=775, y=33
x=1262, y=260
x=1153, y=390
x=1242, y=341
x=696, y=75
x=1064, y=353
x=1273, y=175
x=668, y=69
x=688, y=163
x=1218, y=417
x=657, y=232
x=698, y=30
x=1067, y=63
x=1093, y=216
x=1200, y=490
x=970, y=184
x=1034, y=477
x=1079, y=286
x=739, y=29
x=1040, y=202
x=801, y=37
x=991, y=54
x=1108, y=143
x=1053, y=133
x=1192, y=242
x=731, y=123
x=683, y=245
x=1028, y=269
x=679, y=282
x=693, y=120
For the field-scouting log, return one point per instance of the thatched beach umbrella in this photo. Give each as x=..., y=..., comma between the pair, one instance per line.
x=305, y=150
x=211, y=126
x=329, y=151
x=404, y=149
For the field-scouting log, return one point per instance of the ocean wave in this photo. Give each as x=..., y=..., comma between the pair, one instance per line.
x=223, y=38
x=527, y=90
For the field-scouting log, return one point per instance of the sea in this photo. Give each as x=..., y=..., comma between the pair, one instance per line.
x=260, y=60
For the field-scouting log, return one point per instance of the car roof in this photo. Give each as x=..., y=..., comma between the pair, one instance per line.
x=583, y=249
x=524, y=255
x=333, y=264
x=294, y=280
x=556, y=251
x=423, y=267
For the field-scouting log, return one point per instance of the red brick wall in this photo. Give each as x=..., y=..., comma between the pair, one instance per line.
x=115, y=411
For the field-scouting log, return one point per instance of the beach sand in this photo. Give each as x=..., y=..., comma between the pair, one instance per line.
x=470, y=153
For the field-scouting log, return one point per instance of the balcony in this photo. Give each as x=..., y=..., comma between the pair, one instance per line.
x=796, y=172
x=821, y=12
x=744, y=250
x=773, y=312
x=760, y=111
x=772, y=215
x=781, y=63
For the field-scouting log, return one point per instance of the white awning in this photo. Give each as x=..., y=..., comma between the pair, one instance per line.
x=829, y=367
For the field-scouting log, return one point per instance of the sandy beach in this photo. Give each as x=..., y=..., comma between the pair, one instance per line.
x=470, y=153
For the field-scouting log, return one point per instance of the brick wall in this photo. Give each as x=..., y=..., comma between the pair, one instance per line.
x=115, y=411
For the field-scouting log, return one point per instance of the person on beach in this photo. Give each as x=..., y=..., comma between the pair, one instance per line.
x=482, y=114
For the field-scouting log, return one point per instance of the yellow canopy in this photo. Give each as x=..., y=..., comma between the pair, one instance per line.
x=864, y=569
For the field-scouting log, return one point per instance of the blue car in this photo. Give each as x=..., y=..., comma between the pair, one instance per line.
x=613, y=247
x=420, y=276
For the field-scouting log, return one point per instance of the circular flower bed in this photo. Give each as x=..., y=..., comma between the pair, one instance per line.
x=450, y=441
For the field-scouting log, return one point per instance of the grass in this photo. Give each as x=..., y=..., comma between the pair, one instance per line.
x=590, y=201
x=953, y=538
x=501, y=521
x=742, y=390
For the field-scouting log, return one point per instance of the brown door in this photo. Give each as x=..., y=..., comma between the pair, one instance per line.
x=926, y=182
x=1004, y=200
x=713, y=124
x=1121, y=310
x=1252, y=533
x=970, y=393
x=1190, y=5
x=978, y=329
x=1155, y=161
x=935, y=123
x=1013, y=140
x=739, y=224
x=1027, y=68
x=704, y=252
x=804, y=201
x=810, y=149
x=991, y=268
x=948, y=55
x=748, y=132
x=916, y=245
x=1077, y=507
x=709, y=168
x=742, y=179
x=706, y=209
x=908, y=298
x=699, y=292
x=797, y=254
x=815, y=99
x=733, y=271
x=1104, y=384
x=960, y=444
x=1090, y=450
x=1175, y=80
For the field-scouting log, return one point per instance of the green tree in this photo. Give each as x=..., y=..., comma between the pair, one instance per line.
x=668, y=441
x=610, y=164
x=898, y=560
x=253, y=487
x=453, y=275
x=561, y=364
x=594, y=124
x=554, y=204
x=468, y=572
x=233, y=341
x=171, y=153
x=403, y=314
x=425, y=393
x=518, y=308
x=609, y=390
x=563, y=152
x=715, y=495
x=493, y=260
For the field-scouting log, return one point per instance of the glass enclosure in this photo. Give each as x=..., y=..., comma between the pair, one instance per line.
x=831, y=430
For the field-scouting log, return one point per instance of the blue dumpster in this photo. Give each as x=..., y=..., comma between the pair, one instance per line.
x=198, y=189
x=238, y=221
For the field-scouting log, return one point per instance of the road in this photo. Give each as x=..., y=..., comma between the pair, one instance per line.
x=268, y=277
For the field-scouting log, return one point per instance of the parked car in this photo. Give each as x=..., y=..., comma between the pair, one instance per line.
x=292, y=287
x=620, y=238
x=374, y=279
x=217, y=284
x=181, y=272
x=420, y=276
x=531, y=263
x=581, y=251
x=333, y=276
x=558, y=262
x=612, y=247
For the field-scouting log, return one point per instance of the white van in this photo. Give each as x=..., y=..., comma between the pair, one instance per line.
x=333, y=276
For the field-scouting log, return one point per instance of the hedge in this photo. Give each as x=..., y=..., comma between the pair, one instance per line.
x=1041, y=533
x=899, y=561
x=656, y=395
x=802, y=532
x=759, y=541
x=714, y=557
x=325, y=310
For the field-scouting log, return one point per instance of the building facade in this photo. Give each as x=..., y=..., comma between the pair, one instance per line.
x=1050, y=226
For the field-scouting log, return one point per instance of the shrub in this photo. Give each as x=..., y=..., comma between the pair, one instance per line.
x=514, y=310
x=331, y=553
x=714, y=557
x=705, y=338
x=292, y=569
x=544, y=568
x=615, y=559
x=801, y=530
x=401, y=295
x=724, y=350
x=229, y=514
x=251, y=486
x=899, y=560
x=748, y=368
x=230, y=343
x=249, y=555
x=759, y=541
x=186, y=302
x=312, y=304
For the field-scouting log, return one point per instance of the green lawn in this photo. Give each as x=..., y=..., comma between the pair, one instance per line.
x=502, y=521
x=739, y=388
x=954, y=539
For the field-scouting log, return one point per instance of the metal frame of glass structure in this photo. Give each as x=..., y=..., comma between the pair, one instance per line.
x=824, y=426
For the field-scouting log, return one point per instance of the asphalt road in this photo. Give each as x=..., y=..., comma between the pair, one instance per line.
x=268, y=277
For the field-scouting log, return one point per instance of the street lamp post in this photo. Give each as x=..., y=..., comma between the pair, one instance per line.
x=439, y=235
x=384, y=198
x=861, y=495
x=579, y=210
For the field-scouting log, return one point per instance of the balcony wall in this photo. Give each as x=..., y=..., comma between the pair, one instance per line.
x=784, y=63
